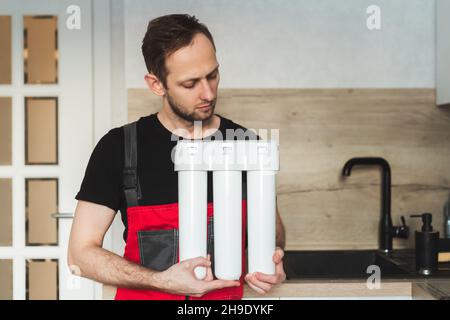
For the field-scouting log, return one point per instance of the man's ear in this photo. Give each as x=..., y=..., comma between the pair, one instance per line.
x=154, y=84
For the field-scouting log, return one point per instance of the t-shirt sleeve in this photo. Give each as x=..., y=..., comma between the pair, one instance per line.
x=102, y=182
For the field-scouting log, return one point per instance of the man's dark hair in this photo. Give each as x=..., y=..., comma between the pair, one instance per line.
x=164, y=36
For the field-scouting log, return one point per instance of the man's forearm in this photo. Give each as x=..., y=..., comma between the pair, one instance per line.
x=280, y=239
x=108, y=268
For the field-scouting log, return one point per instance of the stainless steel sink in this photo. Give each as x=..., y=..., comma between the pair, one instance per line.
x=339, y=264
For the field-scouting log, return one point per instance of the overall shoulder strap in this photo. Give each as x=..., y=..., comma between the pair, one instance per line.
x=131, y=186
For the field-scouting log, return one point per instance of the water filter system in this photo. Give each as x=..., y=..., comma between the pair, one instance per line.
x=227, y=160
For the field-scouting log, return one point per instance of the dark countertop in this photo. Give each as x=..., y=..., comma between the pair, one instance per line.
x=407, y=284
x=405, y=259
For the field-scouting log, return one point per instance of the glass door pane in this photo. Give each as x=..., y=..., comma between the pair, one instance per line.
x=5, y=50
x=5, y=212
x=6, y=279
x=41, y=126
x=5, y=131
x=41, y=203
x=40, y=49
x=42, y=280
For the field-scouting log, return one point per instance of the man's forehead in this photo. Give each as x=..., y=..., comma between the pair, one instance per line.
x=193, y=61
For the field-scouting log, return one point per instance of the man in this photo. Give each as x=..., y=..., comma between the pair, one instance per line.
x=183, y=70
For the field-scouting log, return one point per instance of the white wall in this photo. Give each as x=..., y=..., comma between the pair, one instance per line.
x=119, y=107
x=302, y=43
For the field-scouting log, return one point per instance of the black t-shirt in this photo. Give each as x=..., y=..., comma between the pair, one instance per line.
x=102, y=183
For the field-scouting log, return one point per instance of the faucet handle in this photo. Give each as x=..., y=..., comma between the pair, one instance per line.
x=401, y=231
x=403, y=221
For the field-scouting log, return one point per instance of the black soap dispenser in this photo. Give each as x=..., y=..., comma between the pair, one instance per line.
x=427, y=246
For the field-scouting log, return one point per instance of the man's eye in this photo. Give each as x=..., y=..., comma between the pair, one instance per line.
x=213, y=76
x=189, y=86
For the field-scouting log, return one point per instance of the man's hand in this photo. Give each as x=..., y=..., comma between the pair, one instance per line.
x=180, y=278
x=263, y=283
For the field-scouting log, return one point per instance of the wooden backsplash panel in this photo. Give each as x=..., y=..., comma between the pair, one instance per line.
x=320, y=129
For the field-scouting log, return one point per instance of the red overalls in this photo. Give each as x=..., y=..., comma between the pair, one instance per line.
x=152, y=239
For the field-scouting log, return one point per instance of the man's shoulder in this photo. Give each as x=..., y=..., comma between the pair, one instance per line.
x=117, y=134
x=111, y=143
x=114, y=135
x=237, y=130
x=227, y=123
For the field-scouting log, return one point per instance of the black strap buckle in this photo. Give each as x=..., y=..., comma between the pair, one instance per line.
x=129, y=178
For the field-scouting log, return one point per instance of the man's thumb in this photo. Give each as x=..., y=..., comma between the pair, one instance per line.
x=200, y=262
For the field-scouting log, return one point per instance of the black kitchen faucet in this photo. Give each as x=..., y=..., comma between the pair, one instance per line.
x=386, y=231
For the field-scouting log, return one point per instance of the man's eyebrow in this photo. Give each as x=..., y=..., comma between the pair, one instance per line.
x=195, y=79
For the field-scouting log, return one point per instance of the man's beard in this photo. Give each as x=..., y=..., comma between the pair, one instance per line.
x=190, y=116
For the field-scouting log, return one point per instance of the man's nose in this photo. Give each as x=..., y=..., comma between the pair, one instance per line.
x=207, y=92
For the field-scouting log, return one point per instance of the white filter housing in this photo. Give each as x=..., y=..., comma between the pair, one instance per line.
x=261, y=205
x=192, y=216
x=228, y=224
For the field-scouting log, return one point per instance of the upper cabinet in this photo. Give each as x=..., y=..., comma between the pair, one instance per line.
x=443, y=53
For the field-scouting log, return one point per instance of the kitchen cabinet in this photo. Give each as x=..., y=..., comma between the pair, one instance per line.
x=442, y=53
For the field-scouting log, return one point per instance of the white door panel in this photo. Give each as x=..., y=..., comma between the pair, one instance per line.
x=74, y=138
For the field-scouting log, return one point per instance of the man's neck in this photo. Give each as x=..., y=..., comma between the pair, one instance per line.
x=188, y=129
